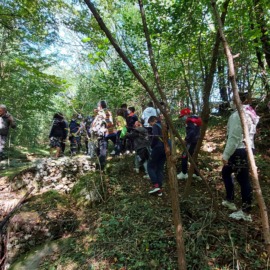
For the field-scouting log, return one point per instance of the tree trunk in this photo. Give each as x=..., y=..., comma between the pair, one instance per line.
x=251, y=160
x=206, y=94
x=265, y=38
x=170, y=155
x=222, y=81
x=261, y=65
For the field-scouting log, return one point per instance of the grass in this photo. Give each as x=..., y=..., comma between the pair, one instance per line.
x=131, y=230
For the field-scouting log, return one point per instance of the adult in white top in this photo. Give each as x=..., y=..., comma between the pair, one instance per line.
x=235, y=160
x=149, y=111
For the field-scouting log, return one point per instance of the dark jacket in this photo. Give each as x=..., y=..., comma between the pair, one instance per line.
x=131, y=119
x=193, y=127
x=59, y=129
x=74, y=127
x=5, y=124
x=157, y=136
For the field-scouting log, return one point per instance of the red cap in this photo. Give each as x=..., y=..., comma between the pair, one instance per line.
x=185, y=111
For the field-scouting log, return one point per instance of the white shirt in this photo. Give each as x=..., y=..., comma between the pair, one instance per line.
x=149, y=111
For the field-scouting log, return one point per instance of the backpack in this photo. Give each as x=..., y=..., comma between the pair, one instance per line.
x=102, y=124
x=144, y=154
x=252, y=120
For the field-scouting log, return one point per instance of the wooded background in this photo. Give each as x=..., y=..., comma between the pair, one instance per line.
x=54, y=56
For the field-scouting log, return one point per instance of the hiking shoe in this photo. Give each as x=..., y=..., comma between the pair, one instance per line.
x=229, y=205
x=241, y=215
x=146, y=176
x=197, y=177
x=154, y=189
x=182, y=176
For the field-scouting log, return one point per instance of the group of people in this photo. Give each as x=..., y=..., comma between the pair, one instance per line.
x=144, y=137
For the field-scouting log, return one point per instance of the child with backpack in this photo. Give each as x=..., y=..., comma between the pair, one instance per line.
x=139, y=136
x=155, y=166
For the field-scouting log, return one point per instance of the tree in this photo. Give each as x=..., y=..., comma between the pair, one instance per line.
x=251, y=160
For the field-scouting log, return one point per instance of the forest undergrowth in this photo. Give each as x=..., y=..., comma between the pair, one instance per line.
x=131, y=229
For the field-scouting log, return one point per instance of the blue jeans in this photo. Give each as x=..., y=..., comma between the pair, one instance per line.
x=155, y=165
x=238, y=164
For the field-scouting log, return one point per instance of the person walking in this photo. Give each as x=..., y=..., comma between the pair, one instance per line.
x=75, y=134
x=149, y=111
x=235, y=159
x=193, y=126
x=58, y=134
x=156, y=162
x=140, y=139
x=132, y=118
x=6, y=121
x=103, y=130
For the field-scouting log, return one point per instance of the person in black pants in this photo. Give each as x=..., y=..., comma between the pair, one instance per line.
x=235, y=159
x=155, y=166
x=58, y=134
x=193, y=126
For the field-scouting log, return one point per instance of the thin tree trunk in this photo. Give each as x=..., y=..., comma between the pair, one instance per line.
x=222, y=81
x=206, y=94
x=251, y=160
x=265, y=38
x=261, y=65
x=188, y=87
x=173, y=184
x=170, y=155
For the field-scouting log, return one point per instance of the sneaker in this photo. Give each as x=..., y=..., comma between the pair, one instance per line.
x=229, y=205
x=146, y=176
x=197, y=177
x=155, y=189
x=182, y=176
x=159, y=193
x=241, y=215
x=112, y=153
